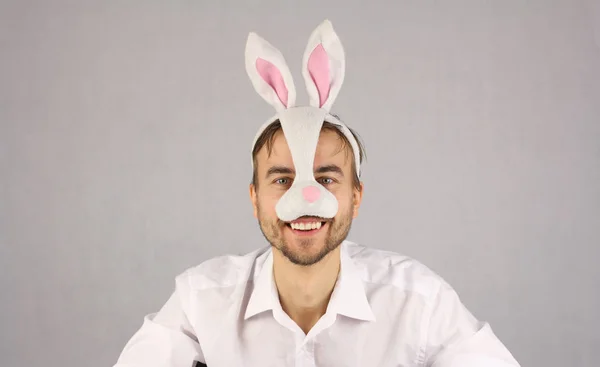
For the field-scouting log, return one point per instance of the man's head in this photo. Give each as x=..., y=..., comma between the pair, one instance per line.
x=306, y=240
x=306, y=188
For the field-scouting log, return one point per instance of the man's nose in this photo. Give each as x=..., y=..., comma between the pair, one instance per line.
x=311, y=193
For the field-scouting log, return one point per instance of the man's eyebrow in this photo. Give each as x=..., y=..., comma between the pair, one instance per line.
x=275, y=170
x=330, y=168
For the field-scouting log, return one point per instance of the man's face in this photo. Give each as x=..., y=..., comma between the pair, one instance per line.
x=333, y=170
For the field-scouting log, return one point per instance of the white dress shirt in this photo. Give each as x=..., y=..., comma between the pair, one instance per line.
x=385, y=310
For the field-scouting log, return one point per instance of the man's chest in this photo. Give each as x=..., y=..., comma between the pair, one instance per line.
x=264, y=342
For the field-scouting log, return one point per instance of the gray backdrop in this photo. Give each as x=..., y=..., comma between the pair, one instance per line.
x=125, y=133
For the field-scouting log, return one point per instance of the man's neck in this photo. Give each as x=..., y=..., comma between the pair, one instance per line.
x=304, y=291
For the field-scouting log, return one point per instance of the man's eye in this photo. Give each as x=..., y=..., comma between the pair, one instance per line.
x=326, y=180
x=282, y=181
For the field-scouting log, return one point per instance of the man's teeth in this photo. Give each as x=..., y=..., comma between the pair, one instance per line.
x=306, y=226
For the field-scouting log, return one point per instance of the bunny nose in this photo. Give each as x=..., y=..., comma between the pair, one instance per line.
x=311, y=193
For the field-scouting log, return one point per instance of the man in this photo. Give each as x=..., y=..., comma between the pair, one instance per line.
x=311, y=298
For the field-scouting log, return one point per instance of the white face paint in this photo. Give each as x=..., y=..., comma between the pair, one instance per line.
x=323, y=70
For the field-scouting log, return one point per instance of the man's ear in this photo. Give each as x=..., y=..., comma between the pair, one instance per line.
x=253, y=198
x=357, y=199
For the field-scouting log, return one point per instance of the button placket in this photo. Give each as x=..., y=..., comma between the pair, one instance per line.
x=305, y=356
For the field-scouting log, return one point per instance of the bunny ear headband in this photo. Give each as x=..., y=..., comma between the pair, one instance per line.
x=323, y=67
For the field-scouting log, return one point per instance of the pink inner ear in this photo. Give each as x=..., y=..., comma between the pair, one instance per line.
x=273, y=77
x=318, y=68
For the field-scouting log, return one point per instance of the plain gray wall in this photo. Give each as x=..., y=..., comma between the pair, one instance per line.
x=125, y=133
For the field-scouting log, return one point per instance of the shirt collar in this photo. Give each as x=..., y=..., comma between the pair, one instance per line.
x=264, y=296
x=348, y=297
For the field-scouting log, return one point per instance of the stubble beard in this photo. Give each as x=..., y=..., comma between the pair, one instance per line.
x=337, y=232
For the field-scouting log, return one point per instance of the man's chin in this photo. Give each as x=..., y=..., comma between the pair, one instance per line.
x=302, y=256
x=305, y=251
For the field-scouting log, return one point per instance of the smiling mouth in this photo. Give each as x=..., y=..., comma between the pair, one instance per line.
x=306, y=225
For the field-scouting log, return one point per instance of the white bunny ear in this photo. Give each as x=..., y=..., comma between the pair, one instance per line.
x=269, y=73
x=323, y=66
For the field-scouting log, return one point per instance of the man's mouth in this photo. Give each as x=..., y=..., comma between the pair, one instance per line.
x=307, y=225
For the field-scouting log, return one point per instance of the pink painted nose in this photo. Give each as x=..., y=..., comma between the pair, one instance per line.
x=311, y=193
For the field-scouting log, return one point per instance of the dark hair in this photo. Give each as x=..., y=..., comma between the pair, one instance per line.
x=268, y=136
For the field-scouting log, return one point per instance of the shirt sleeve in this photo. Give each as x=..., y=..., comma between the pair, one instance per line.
x=456, y=338
x=166, y=338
